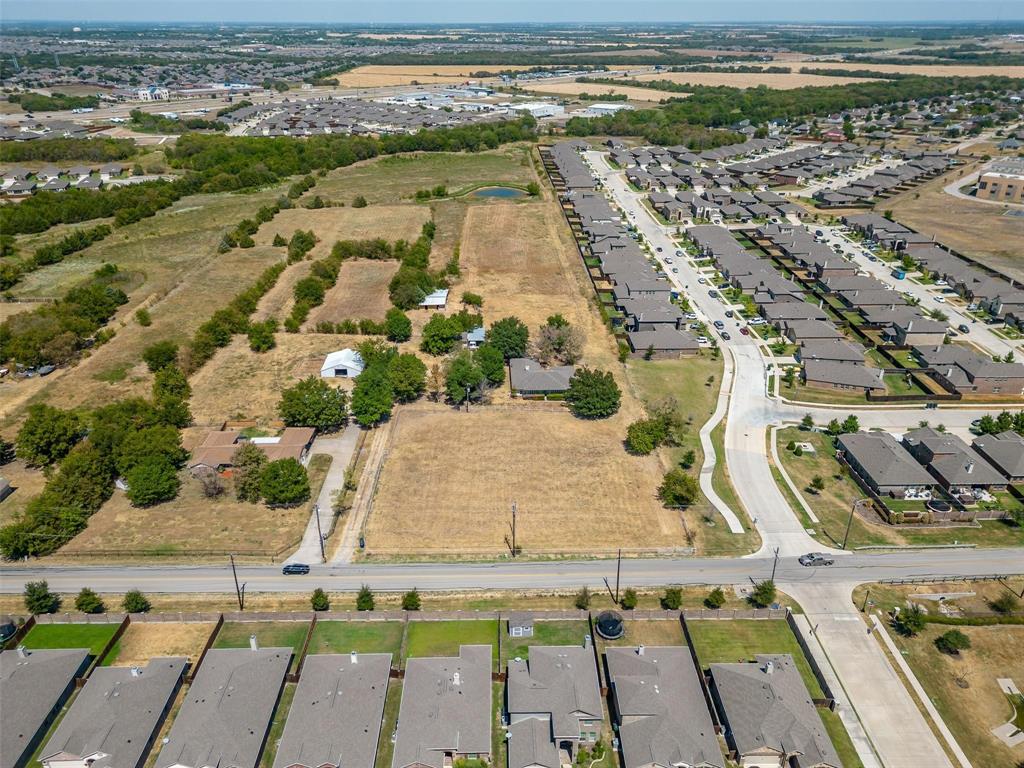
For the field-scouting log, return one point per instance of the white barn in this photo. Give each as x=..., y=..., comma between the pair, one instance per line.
x=346, y=363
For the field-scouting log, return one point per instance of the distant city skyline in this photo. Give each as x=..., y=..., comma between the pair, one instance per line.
x=519, y=11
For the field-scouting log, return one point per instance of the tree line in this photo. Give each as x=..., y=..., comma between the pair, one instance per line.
x=99, y=150
x=12, y=271
x=55, y=102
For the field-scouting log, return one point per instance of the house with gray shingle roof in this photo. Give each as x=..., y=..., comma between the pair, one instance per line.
x=827, y=374
x=528, y=377
x=445, y=712
x=1005, y=452
x=33, y=687
x=554, y=692
x=958, y=467
x=226, y=715
x=663, y=719
x=769, y=716
x=116, y=716
x=335, y=717
x=882, y=463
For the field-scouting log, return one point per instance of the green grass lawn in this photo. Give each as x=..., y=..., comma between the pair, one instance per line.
x=389, y=722
x=362, y=636
x=544, y=633
x=91, y=636
x=269, y=634
x=898, y=384
x=443, y=638
x=277, y=725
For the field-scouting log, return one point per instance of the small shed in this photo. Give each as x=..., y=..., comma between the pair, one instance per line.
x=345, y=363
x=520, y=625
x=436, y=300
x=474, y=338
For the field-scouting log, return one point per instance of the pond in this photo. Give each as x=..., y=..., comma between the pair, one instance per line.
x=506, y=193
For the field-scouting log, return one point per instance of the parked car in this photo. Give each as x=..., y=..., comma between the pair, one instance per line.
x=702, y=280
x=295, y=569
x=690, y=315
x=679, y=253
x=940, y=299
x=659, y=249
x=963, y=328
x=816, y=558
x=745, y=331
x=46, y=370
x=728, y=313
x=675, y=269
x=713, y=294
x=941, y=283
x=719, y=324
x=703, y=340
x=726, y=336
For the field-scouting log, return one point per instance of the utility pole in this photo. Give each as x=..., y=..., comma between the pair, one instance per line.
x=239, y=590
x=618, y=573
x=867, y=594
x=319, y=533
x=513, y=529
x=849, y=523
x=775, y=564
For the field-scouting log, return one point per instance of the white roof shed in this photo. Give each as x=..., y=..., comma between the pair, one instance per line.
x=345, y=363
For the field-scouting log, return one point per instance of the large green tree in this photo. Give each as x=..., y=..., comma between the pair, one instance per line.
x=408, y=376
x=160, y=355
x=247, y=463
x=593, y=394
x=678, y=489
x=48, y=435
x=463, y=378
x=284, y=482
x=510, y=336
x=440, y=335
x=313, y=403
x=372, y=397
x=152, y=480
x=397, y=325
x=491, y=363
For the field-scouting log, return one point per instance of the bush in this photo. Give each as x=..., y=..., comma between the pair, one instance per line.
x=364, y=600
x=688, y=460
x=39, y=598
x=629, y=599
x=160, y=355
x=359, y=202
x=411, y=600
x=313, y=403
x=319, y=600
x=472, y=299
x=1005, y=603
x=582, y=599
x=89, y=602
x=284, y=483
x=593, y=394
x=672, y=599
x=153, y=480
x=143, y=318
x=952, y=642
x=715, y=598
x=678, y=489
x=763, y=594
x=48, y=435
x=135, y=602
x=397, y=325
x=909, y=622
x=261, y=336
x=643, y=436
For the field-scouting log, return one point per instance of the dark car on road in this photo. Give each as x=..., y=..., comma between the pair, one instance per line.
x=295, y=569
x=816, y=558
x=963, y=328
x=726, y=336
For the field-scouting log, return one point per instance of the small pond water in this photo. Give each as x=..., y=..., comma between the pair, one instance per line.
x=501, y=192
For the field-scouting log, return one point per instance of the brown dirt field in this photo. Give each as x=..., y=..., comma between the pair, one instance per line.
x=238, y=383
x=361, y=292
x=630, y=92
x=405, y=74
x=27, y=483
x=976, y=229
x=449, y=480
x=143, y=641
x=750, y=80
x=933, y=70
x=392, y=222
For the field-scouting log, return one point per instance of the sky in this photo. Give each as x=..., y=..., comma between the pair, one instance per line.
x=482, y=11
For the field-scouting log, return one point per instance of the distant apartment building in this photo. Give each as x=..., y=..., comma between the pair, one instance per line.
x=1003, y=180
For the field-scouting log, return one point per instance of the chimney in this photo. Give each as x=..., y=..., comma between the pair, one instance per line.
x=639, y=650
x=769, y=667
x=587, y=641
x=136, y=672
x=353, y=657
x=253, y=645
x=970, y=467
x=22, y=653
x=456, y=679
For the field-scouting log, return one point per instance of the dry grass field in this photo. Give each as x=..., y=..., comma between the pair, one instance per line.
x=750, y=80
x=278, y=301
x=239, y=384
x=450, y=478
x=26, y=482
x=931, y=70
x=143, y=641
x=632, y=93
x=407, y=74
x=361, y=292
x=392, y=222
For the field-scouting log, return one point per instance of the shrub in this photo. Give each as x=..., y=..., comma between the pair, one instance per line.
x=952, y=642
x=143, y=318
x=279, y=241
x=39, y=598
x=1005, y=603
x=629, y=599
x=359, y=202
x=672, y=599
x=715, y=598
x=397, y=325
x=160, y=355
x=688, y=460
x=582, y=599
x=319, y=600
x=284, y=483
x=678, y=489
x=135, y=602
x=364, y=600
x=152, y=480
x=88, y=601
x=261, y=336
x=472, y=299
x=593, y=394
x=909, y=622
x=411, y=600
x=763, y=594
x=643, y=436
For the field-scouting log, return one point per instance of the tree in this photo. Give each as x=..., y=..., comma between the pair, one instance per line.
x=39, y=598
x=582, y=599
x=247, y=463
x=689, y=459
x=910, y=621
x=850, y=425
x=763, y=593
x=435, y=382
x=463, y=378
x=279, y=241
x=211, y=484
x=397, y=325
x=952, y=642
x=372, y=396
x=47, y=435
x=673, y=599
x=715, y=599
x=85, y=479
x=834, y=428
x=152, y=480
x=170, y=382
x=789, y=377
x=593, y=394
x=440, y=335
x=408, y=377
x=312, y=402
x=284, y=482
x=159, y=355
x=629, y=599
x=818, y=484
x=319, y=600
x=510, y=336
x=159, y=441
x=678, y=489
x=472, y=299
x=411, y=600
x=491, y=363
x=143, y=318
x=135, y=602
x=533, y=189
x=359, y=202
x=559, y=342
x=364, y=600
x=1005, y=603
x=89, y=602
x=261, y=336
x=644, y=435
x=6, y=452
x=987, y=425
x=807, y=422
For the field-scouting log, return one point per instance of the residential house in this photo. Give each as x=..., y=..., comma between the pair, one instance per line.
x=798, y=331
x=115, y=717
x=961, y=369
x=882, y=463
x=825, y=374
x=959, y=468
x=445, y=714
x=662, y=342
x=345, y=363
x=1005, y=452
x=33, y=687
x=217, y=451
x=768, y=715
x=528, y=377
x=554, y=703
x=336, y=714
x=226, y=714
x=660, y=709
x=832, y=350
x=474, y=338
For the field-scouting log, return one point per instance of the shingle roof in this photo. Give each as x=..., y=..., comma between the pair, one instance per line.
x=528, y=375
x=560, y=681
x=1005, y=451
x=887, y=462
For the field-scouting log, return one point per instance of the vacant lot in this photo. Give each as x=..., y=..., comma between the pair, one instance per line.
x=931, y=70
x=399, y=177
x=361, y=636
x=143, y=641
x=390, y=222
x=631, y=92
x=976, y=229
x=361, y=292
x=449, y=480
x=407, y=74
x=972, y=711
x=443, y=638
x=91, y=636
x=750, y=79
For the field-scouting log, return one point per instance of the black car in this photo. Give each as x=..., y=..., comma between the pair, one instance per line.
x=964, y=328
x=295, y=569
x=726, y=336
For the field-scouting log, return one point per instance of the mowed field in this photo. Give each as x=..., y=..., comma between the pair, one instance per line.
x=361, y=292
x=406, y=74
x=450, y=479
x=751, y=79
x=390, y=222
x=631, y=92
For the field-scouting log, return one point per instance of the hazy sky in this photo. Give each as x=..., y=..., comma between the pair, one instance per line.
x=482, y=11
